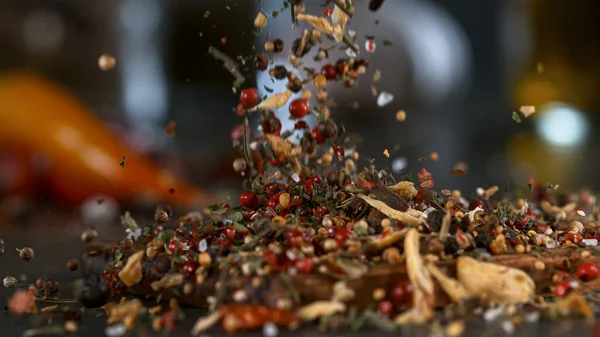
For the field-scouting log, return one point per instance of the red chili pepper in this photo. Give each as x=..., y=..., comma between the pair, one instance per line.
x=83, y=156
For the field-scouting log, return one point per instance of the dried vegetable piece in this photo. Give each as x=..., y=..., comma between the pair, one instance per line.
x=499, y=284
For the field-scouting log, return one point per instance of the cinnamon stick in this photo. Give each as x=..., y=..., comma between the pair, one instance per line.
x=272, y=288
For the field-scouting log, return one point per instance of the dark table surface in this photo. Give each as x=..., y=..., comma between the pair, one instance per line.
x=56, y=238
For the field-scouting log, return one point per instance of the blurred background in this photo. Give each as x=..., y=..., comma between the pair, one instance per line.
x=459, y=69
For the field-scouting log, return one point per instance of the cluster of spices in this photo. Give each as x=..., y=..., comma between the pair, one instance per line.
x=316, y=238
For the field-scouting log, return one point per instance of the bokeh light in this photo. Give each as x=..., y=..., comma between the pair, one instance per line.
x=562, y=125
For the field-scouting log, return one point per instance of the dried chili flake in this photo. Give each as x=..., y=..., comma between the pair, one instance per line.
x=339, y=152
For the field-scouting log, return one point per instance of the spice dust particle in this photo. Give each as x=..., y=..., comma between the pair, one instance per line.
x=386, y=153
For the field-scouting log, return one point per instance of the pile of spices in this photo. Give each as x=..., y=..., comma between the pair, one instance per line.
x=313, y=238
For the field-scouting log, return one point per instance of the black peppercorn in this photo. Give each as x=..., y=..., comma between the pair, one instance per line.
x=50, y=287
x=328, y=129
x=483, y=240
x=360, y=62
x=279, y=72
x=295, y=85
x=374, y=5
x=308, y=143
x=39, y=282
x=162, y=264
x=94, y=292
x=322, y=193
x=451, y=246
x=304, y=211
x=72, y=264
x=261, y=62
x=278, y=45
x=434, y=220
x=305, y=50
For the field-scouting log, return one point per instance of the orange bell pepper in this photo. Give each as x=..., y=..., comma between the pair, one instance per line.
x=84, y=157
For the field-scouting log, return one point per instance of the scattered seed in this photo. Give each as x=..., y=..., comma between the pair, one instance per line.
x=26, y=253
x=10, y=282
x=401, y=116
x=107, y=62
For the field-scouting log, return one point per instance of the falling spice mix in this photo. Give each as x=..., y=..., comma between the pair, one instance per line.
x=315, y=239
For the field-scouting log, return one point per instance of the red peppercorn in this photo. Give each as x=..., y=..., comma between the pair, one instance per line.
x=158, y=229
x=296, y=237
x=175, y=247
x=574, y=238
x=223, y=41
x=313, y=179
x=474, y=204
x=328, y=11
x=301, y=125
x=248, y=199
x=305, y=265
x=402, y=293
x=317, y=136
x=189, y=268
x=296, y=201
x=299, y=108
x=367, y=185
x=342, y=235
x=587, y=271
x=239, y=110
x=270, y=188
x=249, y=97
x=230, y=232
x=309, y=183
x=261, y=62
x=329, y=71
x=319, y=212
x=522, y=221
x=339, y=152
x=273, y=201
x=385, y=308
x=330, y=231
x=562, y=289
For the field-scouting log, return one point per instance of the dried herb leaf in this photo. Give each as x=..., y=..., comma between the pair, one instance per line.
x=516, y=117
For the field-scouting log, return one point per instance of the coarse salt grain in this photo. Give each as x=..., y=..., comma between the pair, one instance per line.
x=581, y=213
x=202, y=246
x=270, y=330
x=532, y=317
x=384, y=98
x=350, y=53
x=590, y=242
x=115, y=330
x=550, y=243
x=492, y=314
x=295, y=177
x=508, y=327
